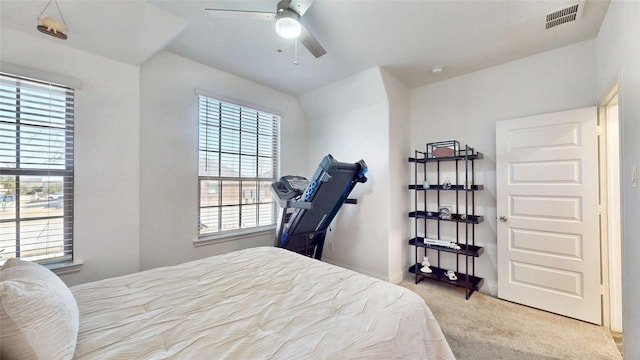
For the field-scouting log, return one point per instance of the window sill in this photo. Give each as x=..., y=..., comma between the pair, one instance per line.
x=65, y=268
x=234, y=235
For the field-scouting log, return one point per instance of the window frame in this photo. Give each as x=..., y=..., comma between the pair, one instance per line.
x=240, y=232
x=67, y=173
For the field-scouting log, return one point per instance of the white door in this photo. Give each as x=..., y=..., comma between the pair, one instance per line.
x=547, y=205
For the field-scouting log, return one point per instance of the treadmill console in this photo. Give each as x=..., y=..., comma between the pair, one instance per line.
x=289, y=187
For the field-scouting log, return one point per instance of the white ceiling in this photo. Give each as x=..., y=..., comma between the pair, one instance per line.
x=405, y=37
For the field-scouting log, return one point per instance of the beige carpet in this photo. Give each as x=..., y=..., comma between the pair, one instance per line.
x=484, y=327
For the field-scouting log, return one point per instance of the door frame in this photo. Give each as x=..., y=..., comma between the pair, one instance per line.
x=610, y=203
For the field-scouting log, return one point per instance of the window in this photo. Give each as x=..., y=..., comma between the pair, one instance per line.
x=36, y=170
x=238, y=161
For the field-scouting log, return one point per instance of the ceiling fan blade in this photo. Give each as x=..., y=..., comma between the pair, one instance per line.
x=241, y=14
x=283, y=5
x=311, y=43
x=300, y=6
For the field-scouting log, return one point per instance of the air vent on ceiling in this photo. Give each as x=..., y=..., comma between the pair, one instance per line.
x=564, y=15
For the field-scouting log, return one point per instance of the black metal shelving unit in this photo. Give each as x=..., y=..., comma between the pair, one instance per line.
x=427, y=217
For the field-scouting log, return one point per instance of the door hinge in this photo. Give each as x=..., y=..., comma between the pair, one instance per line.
x=603, y=289
x=599, y=209
x=600, y=130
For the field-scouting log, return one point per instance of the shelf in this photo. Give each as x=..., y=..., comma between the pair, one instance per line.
x=453, y=187
x=468, y=250
x=464, y=280
x=474, y=156
x=464, y=216
x=434, y=215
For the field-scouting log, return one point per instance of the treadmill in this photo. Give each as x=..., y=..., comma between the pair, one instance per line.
x=310, y=206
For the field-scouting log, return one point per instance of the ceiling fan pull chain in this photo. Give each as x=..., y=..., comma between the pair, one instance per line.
x=295, y=52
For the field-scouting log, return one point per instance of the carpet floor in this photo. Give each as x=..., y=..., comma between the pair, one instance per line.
x=485, y=327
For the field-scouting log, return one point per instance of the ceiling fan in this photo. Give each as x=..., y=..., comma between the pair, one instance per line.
x=287, y=16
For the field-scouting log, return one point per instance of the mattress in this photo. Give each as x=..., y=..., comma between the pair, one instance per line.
x=258, y=303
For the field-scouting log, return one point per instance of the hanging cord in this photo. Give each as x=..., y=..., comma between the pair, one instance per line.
x=45, y=8
x=60, y=12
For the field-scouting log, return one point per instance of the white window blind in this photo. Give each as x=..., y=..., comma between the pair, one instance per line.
x=238, y=161
x=36, y=170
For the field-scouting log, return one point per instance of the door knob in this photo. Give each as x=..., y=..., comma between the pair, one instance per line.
x=503, y=219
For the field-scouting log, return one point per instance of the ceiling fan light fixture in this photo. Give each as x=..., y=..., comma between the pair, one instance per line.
x=287, y=22
x=288, y=26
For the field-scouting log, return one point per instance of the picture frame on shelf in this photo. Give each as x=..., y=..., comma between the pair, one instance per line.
x=443, y=149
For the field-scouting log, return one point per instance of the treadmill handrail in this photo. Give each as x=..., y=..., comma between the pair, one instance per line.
x=296, y=204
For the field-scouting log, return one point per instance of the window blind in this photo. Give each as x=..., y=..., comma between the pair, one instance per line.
x=36, y=170
x=238, y=161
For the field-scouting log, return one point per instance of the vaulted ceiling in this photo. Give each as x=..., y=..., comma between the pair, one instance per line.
x=406, y=37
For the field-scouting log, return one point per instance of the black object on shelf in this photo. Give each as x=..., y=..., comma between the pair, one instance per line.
x=439, y=187
x=464, y=280
x=434, y=215
x=468, y=250
x=430, y=211
x=421, y=160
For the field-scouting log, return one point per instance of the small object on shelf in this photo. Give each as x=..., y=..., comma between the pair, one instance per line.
x=426, y=266
x=442, y=243
x=451, y=275
x=443, y=152
x=442, y=149
x=445, y=213
x=446, y=184
x=425, y=261
x=425, y=184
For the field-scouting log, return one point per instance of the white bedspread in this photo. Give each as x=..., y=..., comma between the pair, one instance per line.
x=258, y=303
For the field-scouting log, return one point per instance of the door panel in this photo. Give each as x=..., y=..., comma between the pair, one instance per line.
x=547, y=278
x=546, y=243
x=547, y=191
x=545, y=172
x=546, y=207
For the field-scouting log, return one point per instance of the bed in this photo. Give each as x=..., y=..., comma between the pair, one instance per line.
x=258, y=303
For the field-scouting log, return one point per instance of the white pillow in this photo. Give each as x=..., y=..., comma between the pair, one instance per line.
x=39, y=317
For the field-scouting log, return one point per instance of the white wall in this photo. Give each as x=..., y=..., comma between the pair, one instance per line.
x=349, y=119
x=169, y=158
x=618, y=61
x=106, y=151
x=398, y=195
x=466, y=109
x=136, y=152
